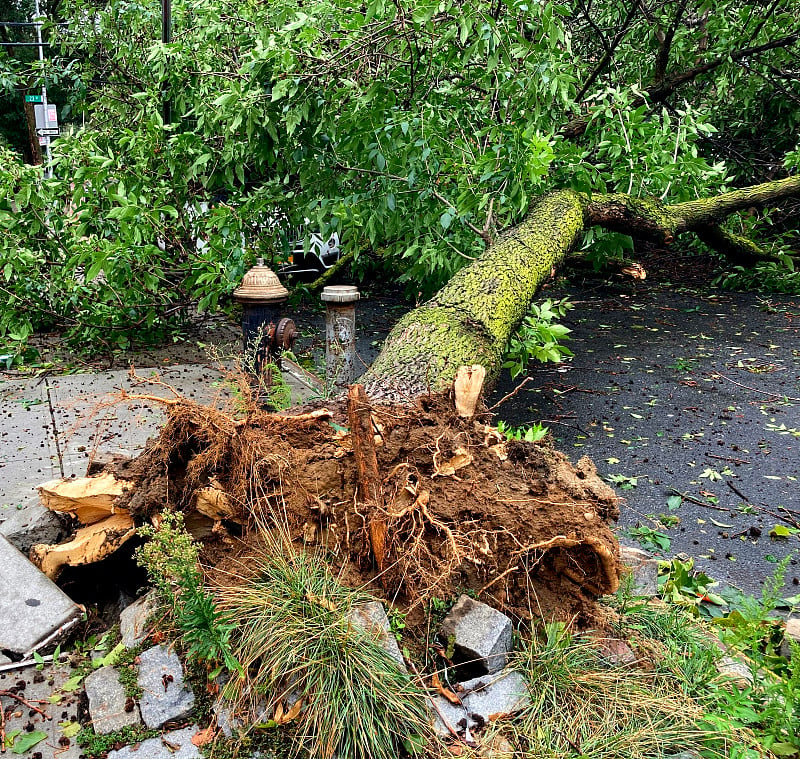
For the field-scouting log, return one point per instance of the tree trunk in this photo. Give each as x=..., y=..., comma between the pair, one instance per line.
x=34, y=148
x=470, y=320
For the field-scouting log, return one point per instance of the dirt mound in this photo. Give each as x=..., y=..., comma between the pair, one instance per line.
x=463, y=508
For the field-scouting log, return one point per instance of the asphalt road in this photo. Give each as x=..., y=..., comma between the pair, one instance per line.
x=695, y=392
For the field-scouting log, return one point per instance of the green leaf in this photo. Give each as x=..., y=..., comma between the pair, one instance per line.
x=784, y=749
x=674, y=502
x=281, y=88
x=73, y=683
x=782, y=531
x=27, y=741
x=70, y=729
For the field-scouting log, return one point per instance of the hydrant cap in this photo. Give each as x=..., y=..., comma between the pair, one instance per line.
x=340, y=294
x=260, y=285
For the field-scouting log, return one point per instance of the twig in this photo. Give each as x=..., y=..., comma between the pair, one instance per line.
x=498, y=578
x=449, y=727
x=788, y=519
x=55, y=428
x=727, y=458
x=510, y=395
x=754, y=389
x=27, y=703
x=738, y=492
x=692, y=499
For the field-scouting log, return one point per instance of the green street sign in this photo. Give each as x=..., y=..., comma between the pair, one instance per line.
x=33, y=98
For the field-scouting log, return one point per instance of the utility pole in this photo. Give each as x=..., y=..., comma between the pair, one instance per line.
x=48, y=171
x=166, y=38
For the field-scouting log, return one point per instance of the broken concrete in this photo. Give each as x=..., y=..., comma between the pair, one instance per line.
x=109, y=707
x=643, y=569
x=175, y=745
x=481, y=635
x=134, y=620
x=32, y=608
x=482, y=699
x=372, y=618
x=165, y=695
x=33, y=523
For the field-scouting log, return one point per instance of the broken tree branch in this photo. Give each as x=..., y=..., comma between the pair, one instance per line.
x=369, y=492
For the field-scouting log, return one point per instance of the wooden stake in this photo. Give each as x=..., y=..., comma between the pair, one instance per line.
x=468, y=386
x=359, y=415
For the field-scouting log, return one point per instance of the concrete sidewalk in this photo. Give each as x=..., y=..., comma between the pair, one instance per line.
x=54, y=426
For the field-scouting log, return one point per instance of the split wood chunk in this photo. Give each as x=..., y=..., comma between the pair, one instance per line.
x=90, y=499
x=468, y=386
x=90, y=544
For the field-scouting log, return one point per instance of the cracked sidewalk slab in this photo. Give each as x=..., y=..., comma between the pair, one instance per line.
x=33, y=609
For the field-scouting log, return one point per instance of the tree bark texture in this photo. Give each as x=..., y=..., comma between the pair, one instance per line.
x=470, y=320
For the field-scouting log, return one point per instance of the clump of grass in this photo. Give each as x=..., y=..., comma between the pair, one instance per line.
x=580, y=707
x=294, y=639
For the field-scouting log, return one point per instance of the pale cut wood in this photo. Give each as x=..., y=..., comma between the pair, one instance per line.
x=468, y=386
x=90, y=544
x=90, y=499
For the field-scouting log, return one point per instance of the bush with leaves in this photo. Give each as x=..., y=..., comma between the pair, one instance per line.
x=170, y=557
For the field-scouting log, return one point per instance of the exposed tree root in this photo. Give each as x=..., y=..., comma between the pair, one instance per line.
x=453, y=505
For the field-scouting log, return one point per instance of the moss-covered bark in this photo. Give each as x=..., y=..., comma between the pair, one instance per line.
x=471, y=319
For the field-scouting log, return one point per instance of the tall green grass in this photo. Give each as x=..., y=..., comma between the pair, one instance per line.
x=294, y=639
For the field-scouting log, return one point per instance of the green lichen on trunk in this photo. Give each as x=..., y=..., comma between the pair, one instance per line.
x=704, y=211
x=471, y=319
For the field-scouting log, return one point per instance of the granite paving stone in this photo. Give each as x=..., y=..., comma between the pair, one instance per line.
x=174, y=745
x=109, y=707
x=483, y=636
x=165, y=694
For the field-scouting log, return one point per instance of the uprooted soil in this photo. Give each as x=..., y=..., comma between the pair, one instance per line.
x=513, y=521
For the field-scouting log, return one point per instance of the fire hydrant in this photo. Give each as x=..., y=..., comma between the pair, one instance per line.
x=265, y=333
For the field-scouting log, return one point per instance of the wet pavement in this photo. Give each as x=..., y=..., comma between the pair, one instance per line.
x=673, y=391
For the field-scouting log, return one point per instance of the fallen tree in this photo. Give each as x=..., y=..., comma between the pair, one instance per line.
x=470, y=320
x=407, y=490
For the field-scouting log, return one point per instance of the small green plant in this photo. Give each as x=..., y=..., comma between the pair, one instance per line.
x=682, y=365
x=681, y=585
x=397, y=623
x=170, y=558
x=94, y=745
x=650, y=539
x=537, y=338
x=532, y=433
x=622, y=481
